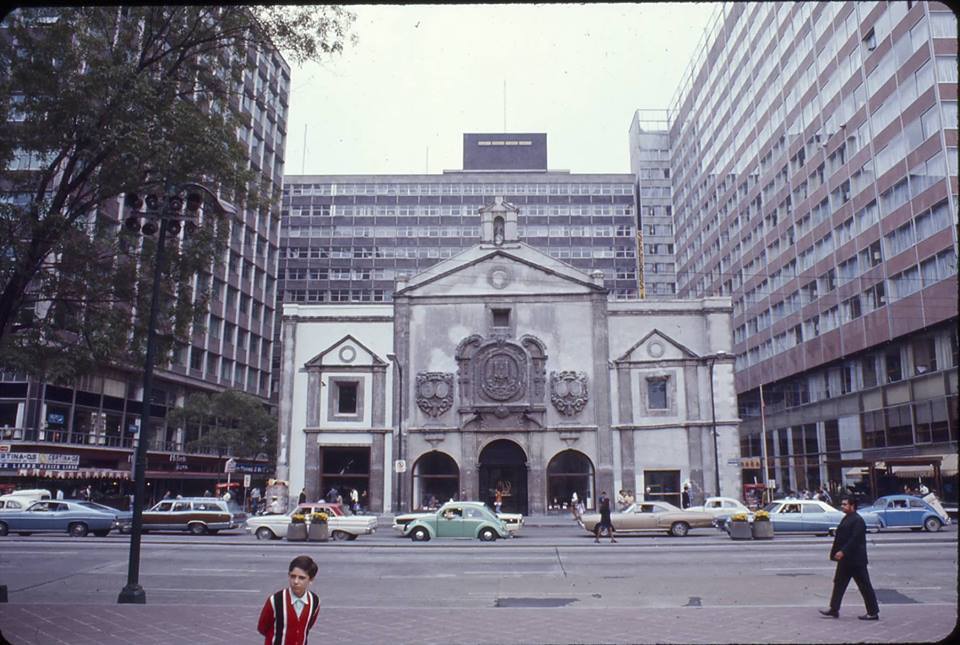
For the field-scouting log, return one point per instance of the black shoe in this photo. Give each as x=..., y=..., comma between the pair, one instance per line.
x=869, y=617
x=829, y=613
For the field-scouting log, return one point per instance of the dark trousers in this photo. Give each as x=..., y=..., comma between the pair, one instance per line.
x=603, y=524
x=859, y=574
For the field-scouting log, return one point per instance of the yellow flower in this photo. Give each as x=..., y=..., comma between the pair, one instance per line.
x=761, y=515
x=319, y=517
x=298, y=518
x=738, y=517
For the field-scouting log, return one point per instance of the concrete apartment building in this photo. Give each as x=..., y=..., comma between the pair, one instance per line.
x=347, y=238
x=813, y=159
x=82, y=433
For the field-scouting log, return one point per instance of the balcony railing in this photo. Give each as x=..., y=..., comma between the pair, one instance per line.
x=92, y=439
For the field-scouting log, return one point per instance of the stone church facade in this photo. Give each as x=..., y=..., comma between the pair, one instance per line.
x=505, y=369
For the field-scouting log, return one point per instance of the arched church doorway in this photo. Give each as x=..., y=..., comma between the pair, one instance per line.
x=436, y=479
x=503, y=466
x=569, y=472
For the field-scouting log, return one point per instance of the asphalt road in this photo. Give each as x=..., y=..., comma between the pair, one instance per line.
x=548, y=570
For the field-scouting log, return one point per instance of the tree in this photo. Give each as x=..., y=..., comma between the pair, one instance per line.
x=228, y=423
x=100, y=102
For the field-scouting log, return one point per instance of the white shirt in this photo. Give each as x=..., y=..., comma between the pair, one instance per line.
x=299, y=602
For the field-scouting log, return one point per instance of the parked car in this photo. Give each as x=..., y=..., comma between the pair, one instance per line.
x=514, y=521
x=458, y=520
x=642, y=517
x=58, y=516
x=124, y=518
x=199, y=515
x=719, y=506
x=907, y=511
x=19, y=500
x=807, y=516
x=340, y=525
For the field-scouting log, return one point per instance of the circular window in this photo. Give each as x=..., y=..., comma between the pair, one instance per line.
x=347, y=354
x=655, y=349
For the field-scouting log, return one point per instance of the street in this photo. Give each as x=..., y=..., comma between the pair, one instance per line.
x=551, y=584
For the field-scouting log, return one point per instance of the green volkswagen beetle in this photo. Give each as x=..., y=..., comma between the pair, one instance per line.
x=458, y=520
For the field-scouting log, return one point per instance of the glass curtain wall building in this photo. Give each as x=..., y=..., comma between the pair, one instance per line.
x=230, y=348
x=814, y=166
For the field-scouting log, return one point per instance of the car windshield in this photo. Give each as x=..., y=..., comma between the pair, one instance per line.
x=771, y=507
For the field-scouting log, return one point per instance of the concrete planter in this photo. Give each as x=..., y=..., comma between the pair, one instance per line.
x=319, y=532
x=740, y=531
x=762, y=530
x=297, y=533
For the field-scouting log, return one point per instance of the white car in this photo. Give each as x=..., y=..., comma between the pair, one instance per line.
x=19, y=500
x=717, y=506
x=513, y=521
x=341, y=526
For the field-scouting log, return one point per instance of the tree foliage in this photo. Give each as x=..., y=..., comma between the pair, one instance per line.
x=103, y=101
x=229, y=423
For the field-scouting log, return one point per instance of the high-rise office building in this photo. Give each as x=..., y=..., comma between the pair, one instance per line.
x=83, y=431
x=813, y=155
x=346, y=238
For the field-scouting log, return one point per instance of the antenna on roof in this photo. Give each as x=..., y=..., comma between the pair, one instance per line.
x=303, y=161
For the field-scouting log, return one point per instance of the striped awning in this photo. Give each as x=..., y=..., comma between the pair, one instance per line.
x=81, y=473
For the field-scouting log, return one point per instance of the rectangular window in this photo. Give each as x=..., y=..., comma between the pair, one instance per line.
x=657, y=393
x=346, y=397
x=893, y=365
x=924, y=355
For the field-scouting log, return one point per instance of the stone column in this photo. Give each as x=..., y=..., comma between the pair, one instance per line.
x=311, y=467
x=695, y=458
x=288, y=372
x=375, y=492
x=601, y=393
x=628, y=466
x=469, y=462
x=536, y=474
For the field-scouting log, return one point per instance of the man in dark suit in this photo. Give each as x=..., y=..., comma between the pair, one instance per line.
x=850, y=553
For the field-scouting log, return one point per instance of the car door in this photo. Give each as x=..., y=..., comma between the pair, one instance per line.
x=788, y=518
x=815, y=518
x=644, y=519
x=158, y=516
x=40, y=517
x=917, y=510
x=472, y=518
x=896, y=512
x=449, y=522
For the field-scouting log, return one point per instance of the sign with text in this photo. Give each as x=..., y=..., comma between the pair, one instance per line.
x=41, y=460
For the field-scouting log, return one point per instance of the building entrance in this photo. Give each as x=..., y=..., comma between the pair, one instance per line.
x=503, y=467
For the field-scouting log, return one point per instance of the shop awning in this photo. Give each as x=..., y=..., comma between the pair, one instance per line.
x=81, y=473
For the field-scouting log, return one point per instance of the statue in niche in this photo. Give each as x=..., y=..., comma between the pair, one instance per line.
x=498, y=231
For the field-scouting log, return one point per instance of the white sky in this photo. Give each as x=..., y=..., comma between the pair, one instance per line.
x=421, y=76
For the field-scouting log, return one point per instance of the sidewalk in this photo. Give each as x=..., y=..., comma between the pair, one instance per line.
x=514, y=624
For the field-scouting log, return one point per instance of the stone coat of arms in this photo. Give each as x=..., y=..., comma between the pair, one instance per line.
x=434, y=392
x=568, y=392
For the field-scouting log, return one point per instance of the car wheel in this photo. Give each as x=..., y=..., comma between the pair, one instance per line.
x=263, y=533
x=77, y=529
x=103, y=533
x=932, y=524
x=488, y=535
x=198, y=529
x=340, y=536
x=679, y=529
x=420, y=534
x=4, y=529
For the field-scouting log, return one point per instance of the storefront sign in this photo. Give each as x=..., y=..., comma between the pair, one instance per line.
x=41, y=460
x=253, y=468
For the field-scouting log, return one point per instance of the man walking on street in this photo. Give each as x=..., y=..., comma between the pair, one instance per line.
x=605, y=521
x=685, y=497
x=850, y=553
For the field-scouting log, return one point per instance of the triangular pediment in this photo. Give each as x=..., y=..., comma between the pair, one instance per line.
x=514, y=269
x=656, y=346
x=346, y=352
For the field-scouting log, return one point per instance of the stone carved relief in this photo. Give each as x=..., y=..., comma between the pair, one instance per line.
x=434, y=392
x=568, y=392
x=502, y=372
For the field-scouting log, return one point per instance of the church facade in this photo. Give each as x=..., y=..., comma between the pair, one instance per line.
x=503, y=369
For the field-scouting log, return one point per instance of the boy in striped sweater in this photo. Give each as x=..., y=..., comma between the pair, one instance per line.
x=289, y=614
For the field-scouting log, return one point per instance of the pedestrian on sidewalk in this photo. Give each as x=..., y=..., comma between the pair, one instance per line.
x=605, y=522
x=685, y=497
x=289, y=614
x=850, y=553
x=302, y=499
x=498, y=500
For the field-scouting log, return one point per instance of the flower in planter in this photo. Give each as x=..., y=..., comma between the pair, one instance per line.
x=298, y=518
x=319, y=518
x=762, y=516
x=738, y=517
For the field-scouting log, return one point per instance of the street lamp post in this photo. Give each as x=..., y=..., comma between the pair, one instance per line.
x=713, y=422
x=163, y=213
x=396, y=361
